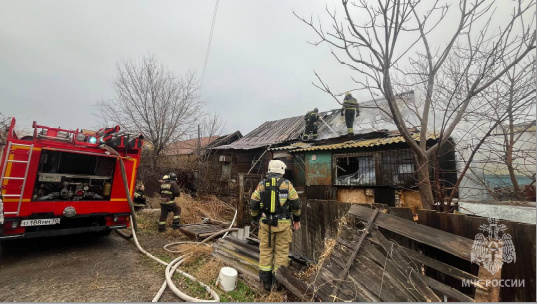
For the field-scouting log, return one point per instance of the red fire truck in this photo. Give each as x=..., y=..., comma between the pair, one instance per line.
x=59, y=181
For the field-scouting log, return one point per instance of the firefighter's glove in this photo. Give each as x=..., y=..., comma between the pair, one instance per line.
x=357, y=113
x=341, y=113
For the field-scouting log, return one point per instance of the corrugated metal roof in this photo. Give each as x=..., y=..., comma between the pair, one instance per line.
x=372, y=118
x=293, y=146
x=366, y=143
x=276, y=131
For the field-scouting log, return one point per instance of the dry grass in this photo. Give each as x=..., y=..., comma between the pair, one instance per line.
x=193, y=251
x=273, y=296
x=193, y=210
x=329, y=245
x=209, y=270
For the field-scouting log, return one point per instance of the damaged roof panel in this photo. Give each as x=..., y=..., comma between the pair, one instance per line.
x=268, y=133
x=293, y=146
x=373, y=118
x=365, y=143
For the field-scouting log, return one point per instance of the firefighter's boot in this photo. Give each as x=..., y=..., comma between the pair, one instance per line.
x=276, y=284
x=161, y=226
x=266, y=278
x=175, y=223
x=350, y=131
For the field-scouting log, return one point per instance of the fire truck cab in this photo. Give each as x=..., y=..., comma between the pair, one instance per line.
x=60, y=182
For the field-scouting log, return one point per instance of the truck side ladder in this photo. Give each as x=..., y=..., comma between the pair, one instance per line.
x=23, y=178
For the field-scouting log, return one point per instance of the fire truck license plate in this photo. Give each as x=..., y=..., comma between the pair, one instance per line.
x=40, y=222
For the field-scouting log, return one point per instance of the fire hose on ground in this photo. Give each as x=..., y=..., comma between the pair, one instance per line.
x=171, y=267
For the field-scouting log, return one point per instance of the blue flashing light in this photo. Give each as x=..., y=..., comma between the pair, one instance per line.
x=92, y=140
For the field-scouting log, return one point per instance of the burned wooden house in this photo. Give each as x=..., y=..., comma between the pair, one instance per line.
x=403, y=253
x=375, y=165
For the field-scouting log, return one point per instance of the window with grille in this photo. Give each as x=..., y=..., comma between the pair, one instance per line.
x=398, y=168
x=395, y=168
x=355, y=169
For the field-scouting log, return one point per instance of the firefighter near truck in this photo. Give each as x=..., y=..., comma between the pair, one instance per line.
x=60, y=182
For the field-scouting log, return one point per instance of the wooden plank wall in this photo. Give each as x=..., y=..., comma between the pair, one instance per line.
x=241, y=162
x=320, y=220
x=523, y=236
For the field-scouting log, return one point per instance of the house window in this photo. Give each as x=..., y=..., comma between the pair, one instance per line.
x=395, y=168
x=398, y=168
x=355, y=169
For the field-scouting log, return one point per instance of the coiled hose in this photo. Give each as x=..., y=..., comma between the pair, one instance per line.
x=171, y=267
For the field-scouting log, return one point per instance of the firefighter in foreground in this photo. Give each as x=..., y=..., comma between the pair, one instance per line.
x=311, y=118
x=169, y=190
x=273, y=206
x=350, y=110
x=140, y=201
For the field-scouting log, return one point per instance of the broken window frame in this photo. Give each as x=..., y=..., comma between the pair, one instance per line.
x=389, y=168
x=356, y=175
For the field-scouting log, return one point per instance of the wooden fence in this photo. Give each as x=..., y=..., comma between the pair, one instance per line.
x=320, y=220
x=523, y=236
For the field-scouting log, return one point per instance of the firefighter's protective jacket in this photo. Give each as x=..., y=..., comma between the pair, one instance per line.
x=139, y=197
x=350, y=104
x=170, y=190
x=311, y=117
x=288, y=199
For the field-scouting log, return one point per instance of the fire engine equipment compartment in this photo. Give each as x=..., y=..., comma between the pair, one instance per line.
x=73, y=176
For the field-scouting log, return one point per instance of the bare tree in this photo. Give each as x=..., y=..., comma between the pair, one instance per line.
x=152, y=100
x=519, y=103
x=212, y=126
x=503, y=131
x=4, y=128
x=390, y=43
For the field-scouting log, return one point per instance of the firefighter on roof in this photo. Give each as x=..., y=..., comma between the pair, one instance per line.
x=276, y=203
x=169, y=190
x=139, y=200
x=350, y=110
x=311, y=118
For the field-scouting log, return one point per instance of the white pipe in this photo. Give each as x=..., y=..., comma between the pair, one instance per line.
x=232, y=222
x=170, y=269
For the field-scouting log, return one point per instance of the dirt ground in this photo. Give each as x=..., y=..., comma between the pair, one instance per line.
x=89, y=268
x=81, y=268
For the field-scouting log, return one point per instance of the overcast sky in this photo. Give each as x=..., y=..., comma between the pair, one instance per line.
x=57, y=58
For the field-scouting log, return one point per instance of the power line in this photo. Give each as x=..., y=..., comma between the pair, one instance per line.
x=209, y=44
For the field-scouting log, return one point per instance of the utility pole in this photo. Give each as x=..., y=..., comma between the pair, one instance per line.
x=199, y=142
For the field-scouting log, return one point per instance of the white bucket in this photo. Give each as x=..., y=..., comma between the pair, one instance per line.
x=227, y=279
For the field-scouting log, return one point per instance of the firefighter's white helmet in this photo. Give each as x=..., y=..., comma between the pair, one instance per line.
x=276, y=166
